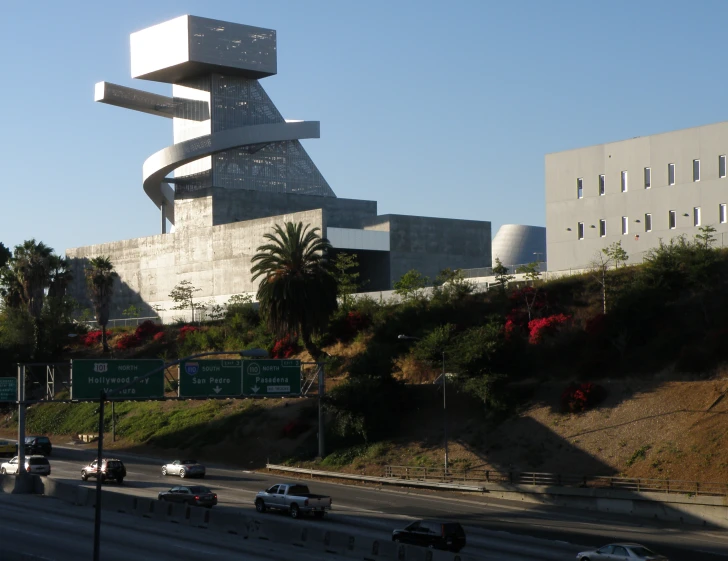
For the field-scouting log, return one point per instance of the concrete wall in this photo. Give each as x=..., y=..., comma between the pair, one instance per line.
x=432, y=244
x=564, y=210
x=217, y=206
x=216, y=259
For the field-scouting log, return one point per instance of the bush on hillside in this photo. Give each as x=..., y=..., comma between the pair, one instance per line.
x=285, y=347
x=539, y=329
x=148, y=329
x=127, y=341
x=580, y=397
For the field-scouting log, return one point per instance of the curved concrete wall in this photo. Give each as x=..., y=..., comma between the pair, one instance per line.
x=516, y=244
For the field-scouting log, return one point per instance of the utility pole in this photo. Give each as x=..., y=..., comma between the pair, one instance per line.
x=321, y=392
x=99, y=458
x=21, y=420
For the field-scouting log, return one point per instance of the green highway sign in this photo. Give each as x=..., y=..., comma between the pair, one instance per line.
x=8, y=389
x=90, y=376
x=210, y=378
x=271, y=377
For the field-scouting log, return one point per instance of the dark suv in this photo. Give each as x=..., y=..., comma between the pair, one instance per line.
x=38, y=445
x=111, y=468
x=432, y=533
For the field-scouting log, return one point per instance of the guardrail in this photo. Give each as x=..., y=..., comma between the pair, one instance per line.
x=481, y=475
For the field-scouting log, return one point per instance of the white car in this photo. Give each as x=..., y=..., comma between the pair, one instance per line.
x=627, y=551
x=184, y=468
x=36, y=465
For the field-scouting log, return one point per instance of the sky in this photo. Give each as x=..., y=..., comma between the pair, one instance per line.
x=430, y=108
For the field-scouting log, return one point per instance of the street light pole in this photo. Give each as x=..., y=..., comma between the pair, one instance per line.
x=444, y=405
x=444, y=394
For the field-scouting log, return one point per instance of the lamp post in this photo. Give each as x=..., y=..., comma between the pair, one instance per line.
x=103, y=396
x=444, y=393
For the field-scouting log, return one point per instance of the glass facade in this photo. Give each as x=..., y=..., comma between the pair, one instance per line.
x=279, y=167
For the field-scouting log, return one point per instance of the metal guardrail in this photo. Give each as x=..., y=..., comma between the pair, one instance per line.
x=480, y=475
x=123, y=322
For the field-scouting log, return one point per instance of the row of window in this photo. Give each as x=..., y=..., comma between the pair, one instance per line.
x=647, y=178
x=671, y=221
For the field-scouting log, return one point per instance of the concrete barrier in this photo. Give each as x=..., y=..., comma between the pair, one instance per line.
x=228, y=523
x=197, y=516
x=143, y=506
x=118, y=502
x=85, y=496
x=23, y=483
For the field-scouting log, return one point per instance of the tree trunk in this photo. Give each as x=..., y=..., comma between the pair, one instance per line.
x=104, y=341
x=604, y=293
x=312, y=349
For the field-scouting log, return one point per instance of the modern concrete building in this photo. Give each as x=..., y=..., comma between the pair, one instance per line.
x=239, y=169
x=636, y=191
x=516, y=244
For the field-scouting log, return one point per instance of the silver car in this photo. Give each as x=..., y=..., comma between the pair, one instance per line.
x=36, y=465
x=184, y=468
x=621, y=552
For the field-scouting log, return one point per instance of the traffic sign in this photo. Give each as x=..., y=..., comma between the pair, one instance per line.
x=210, y=378
x=271, y=377
x=90, y=376
x=8, y=389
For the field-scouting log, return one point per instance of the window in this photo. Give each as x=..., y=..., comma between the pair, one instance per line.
x=602, y=228
x=625, y=226
x=648, y=178
x=721, y=166
x=602, y=185
x=696, y=216
x=696, y=170
x=722, y=213
x=671, y=174
x=672, y=219
x=579, y=188
x=648, y=223
x=580, y=230
x=624, y=182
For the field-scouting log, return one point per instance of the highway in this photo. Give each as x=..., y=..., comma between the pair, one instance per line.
x=497, y=530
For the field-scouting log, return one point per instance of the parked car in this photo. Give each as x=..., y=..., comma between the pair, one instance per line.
x=8, y=448
x=37, y=465
x=38, y=445
x=436, y=534
x=196, y=495
x=621, y=551
x=293, y=498
x=184, y=468
x=111, y=468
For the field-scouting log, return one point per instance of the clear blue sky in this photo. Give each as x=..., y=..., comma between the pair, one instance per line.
x=430, y=108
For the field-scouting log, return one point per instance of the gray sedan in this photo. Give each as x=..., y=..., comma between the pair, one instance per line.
x=621, y=552
x=184, y=468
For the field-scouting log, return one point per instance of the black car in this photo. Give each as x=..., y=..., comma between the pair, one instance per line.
x=195, y=495
x=38, y=445
x=111, y=468
x=432, y=533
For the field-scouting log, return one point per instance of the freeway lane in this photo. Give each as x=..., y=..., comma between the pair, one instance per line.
x=55, y=531
x=524, y=531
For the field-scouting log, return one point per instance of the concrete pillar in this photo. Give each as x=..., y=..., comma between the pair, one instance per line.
x=163, y=208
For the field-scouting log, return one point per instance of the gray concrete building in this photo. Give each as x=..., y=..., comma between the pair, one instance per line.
x=236, y=169
x=636, y=191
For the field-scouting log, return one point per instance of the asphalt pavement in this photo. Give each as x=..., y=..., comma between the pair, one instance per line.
x=496, y=529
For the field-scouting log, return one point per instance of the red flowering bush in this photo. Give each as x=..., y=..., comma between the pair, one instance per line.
x=92, y=338
x=184, y=330
x=295, y=428
x=285, y=348
x=356, y=321
x=579, y=397
x=158, y=336
x=538, y=328
x=127, y=341
x=596, y=325
x=148, y=329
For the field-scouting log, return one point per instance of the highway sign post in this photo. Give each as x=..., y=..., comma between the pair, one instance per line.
x=90, y=377
x=9, y=389
x=210, y=378
x=265, y=378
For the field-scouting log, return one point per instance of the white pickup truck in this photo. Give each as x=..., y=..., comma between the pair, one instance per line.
x=294, y=498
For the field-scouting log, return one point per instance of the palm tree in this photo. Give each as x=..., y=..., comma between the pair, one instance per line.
x=297, y=293
x=100, y=277
x=31, y=264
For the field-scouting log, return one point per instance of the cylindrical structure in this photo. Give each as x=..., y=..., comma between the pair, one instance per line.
x=516, y=244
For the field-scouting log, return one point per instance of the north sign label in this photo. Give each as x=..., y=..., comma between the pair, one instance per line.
x=271, y=377
x=8, y=389
x=90, y=376
x=210, y=378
